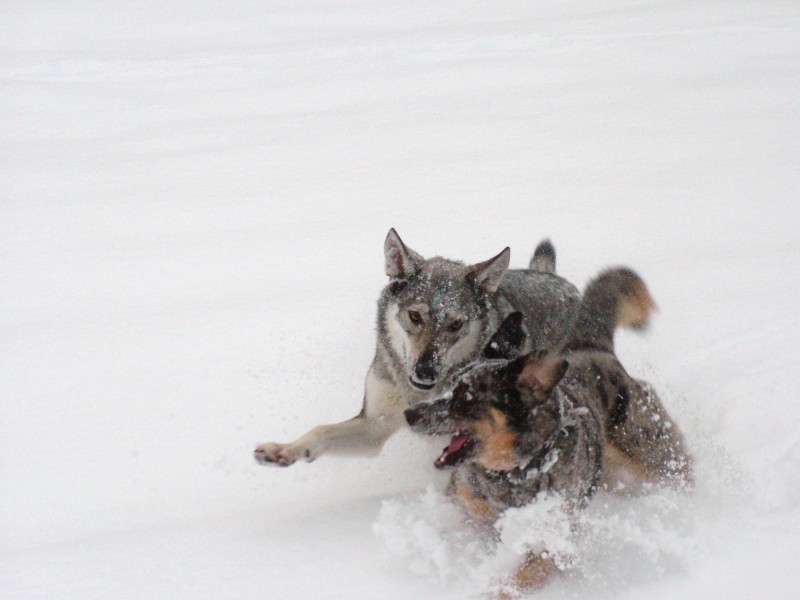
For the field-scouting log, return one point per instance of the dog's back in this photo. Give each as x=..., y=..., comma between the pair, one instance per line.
x=548, y=303
x=554, y=422
x=642, y=439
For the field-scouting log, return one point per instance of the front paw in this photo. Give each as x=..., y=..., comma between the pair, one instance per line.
x=281, y=455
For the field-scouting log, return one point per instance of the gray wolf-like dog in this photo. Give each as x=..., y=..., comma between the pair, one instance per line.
x=554, y=422
x=434, y=317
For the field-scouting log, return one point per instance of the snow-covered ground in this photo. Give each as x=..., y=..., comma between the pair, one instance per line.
x=194, y=200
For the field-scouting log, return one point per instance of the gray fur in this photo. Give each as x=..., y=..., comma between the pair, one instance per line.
x=417, y=351
x=554, y=423
x=560, y=431
x=544, y=258
x=561, y=452
x=637, y=423
x=547, y=302
x=599, y=312
x=565, y=409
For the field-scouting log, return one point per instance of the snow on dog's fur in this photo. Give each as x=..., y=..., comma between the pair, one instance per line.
x=542, y=423
x=434, y=317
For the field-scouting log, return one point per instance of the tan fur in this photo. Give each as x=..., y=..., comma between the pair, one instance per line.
x=673, y=469
x=541, y=373
x=626, y=474
x=476, y=506
x=635, y=310
x=650, y=441
x=620, y=472
x=534, y=572
x=498, y=452
x=531, y=575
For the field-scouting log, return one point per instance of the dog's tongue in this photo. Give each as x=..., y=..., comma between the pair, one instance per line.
x=449, y=455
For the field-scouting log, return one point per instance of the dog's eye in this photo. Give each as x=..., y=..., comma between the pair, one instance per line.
x=464, y=404
x=455, y=326
x=415, y=317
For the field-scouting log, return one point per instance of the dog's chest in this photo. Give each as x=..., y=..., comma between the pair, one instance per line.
x=484, y=494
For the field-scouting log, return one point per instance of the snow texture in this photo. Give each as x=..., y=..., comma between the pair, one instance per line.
x=195, y=197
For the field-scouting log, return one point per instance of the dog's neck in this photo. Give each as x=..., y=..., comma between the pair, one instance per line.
x=541, y=460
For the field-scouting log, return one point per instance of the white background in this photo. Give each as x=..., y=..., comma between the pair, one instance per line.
x=194, y=200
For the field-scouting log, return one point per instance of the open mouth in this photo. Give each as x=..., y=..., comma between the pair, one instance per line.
x=456, y=451
x=422, y=386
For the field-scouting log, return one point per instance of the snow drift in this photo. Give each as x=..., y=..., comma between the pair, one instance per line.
x=194, y=203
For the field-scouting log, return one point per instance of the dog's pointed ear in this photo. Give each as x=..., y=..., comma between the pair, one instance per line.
x=508, y=340
x=488, y=275
x=401, y=261
x=541, y=372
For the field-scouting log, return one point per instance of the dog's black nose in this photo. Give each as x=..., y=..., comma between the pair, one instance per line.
x=425, y=374
x=412, y=416
x=426, y=369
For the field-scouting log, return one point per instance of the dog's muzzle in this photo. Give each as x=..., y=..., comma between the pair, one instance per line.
x=413, y=416
x=426, y=372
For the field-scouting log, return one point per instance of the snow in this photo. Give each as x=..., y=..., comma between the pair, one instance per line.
x=195, y=199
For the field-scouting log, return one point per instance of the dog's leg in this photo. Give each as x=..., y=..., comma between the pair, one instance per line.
x=652, y=440
x=531, y=575
x=621, y=474
x=362, y=435
x=473, y=504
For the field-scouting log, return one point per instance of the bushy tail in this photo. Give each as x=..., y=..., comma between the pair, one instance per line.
x=544, y=258
x=616, y=298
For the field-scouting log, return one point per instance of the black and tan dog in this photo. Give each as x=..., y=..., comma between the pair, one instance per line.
x=554, y=422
